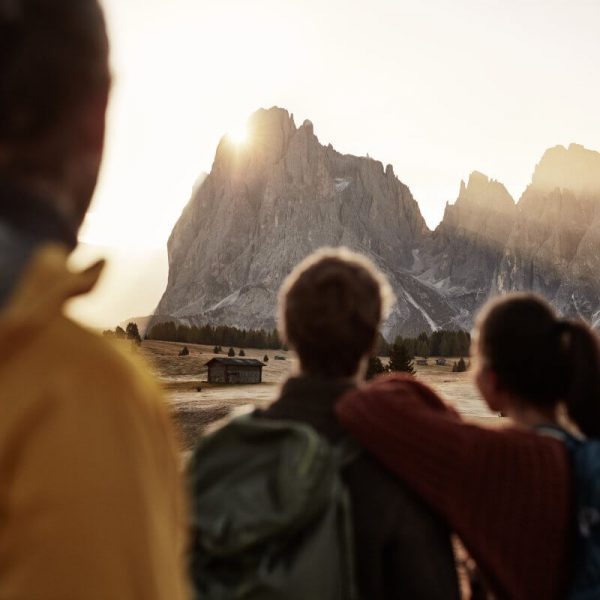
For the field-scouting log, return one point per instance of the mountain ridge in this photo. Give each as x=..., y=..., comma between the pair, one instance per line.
x=266, y=205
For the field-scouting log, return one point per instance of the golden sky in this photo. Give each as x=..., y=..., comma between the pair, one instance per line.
x=437, y=88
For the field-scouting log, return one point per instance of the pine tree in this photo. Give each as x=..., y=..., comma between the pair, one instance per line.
x=133, y=333
x=242, y=353
x=231, y=352
x=461, y=366
x=400, y=359
x=422, y=349
x=445, y=349
x=184, y=351
x=382, y=346
x=216, y=350
x=375, y=367
x=265, y=358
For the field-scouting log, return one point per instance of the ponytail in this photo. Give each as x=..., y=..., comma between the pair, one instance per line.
x=541, y=358
x=582, y=396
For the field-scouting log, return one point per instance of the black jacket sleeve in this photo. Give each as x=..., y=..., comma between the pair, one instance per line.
x=403, y=549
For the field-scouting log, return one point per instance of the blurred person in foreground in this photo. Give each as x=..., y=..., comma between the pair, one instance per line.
x=285, y=505
x=524, y=499
x=90, y=500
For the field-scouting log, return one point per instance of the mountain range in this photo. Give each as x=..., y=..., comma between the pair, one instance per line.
x=267, y=204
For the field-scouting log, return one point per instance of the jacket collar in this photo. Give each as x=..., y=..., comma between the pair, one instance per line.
x=46, y=284
x=312, y=401
x=314, y=391
x=33, y=216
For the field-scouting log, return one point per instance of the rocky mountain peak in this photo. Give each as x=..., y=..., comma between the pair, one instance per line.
x=269, y=132
x=308, y=126
x=481, y=192
x=468, y=243
x=575, y=168
x=273, y=127
x=269, y=202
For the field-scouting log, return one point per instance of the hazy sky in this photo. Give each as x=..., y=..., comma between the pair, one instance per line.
x=436, y=88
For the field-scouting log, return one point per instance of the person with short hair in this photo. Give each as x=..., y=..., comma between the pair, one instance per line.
x=511, y=494
x=91, y=503
x=330, y=309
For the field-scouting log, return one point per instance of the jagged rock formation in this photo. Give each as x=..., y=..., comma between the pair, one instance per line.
x=462, y=255
x=554, y=246
x=266, y=205
x=548, y=242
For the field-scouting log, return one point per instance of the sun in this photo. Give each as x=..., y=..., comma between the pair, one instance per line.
x=238, y=134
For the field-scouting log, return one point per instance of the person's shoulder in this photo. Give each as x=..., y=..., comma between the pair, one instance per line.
x=97, y=366
x=394, y=391
x=369, y=480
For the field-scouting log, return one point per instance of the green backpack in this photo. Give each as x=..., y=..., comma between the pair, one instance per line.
x=271, y=516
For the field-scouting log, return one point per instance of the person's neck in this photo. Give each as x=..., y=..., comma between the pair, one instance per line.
x=38, y=209
x=56, y=195
x=353, y=380
x=530, y=417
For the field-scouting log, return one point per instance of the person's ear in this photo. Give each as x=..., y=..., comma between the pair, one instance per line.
x=490, y=388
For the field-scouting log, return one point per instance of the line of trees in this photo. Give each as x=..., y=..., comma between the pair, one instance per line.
x=401, y=361
x=131, y=332
x=403, y=351
x=438, y=343
x=218, y=336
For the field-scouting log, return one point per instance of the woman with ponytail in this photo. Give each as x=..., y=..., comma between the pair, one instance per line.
x=524, y=498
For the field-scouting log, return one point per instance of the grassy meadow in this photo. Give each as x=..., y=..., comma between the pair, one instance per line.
x=195, y=404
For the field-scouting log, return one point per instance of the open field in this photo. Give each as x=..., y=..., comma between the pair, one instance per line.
x=196, y=404
x=181, y=377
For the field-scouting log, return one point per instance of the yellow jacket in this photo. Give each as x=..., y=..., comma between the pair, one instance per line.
x=91, y=505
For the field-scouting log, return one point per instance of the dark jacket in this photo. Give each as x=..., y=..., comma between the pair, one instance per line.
x=402, y=549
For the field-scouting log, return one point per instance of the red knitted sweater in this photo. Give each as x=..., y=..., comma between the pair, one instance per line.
x=505, y=492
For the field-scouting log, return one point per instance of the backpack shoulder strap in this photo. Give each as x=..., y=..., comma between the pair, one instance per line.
x=570, y=440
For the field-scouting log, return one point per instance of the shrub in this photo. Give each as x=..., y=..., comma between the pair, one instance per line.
x=375, y=367
x=460, y=366
x=184, y=351
x=400, y=359
x=231, y=352
x=133, y=333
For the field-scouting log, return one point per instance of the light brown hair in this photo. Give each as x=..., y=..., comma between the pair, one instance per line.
x=330, y=310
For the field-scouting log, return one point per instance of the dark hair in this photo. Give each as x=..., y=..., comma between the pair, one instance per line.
x=542, y=358
x=330, y=309
x=53, y=53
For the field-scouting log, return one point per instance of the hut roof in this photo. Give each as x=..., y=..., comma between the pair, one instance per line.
x=236, y=362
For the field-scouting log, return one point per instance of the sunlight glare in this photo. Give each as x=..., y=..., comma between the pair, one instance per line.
x=238, y=134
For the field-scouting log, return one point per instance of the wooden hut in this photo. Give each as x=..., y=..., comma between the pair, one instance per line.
x=234, y=370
